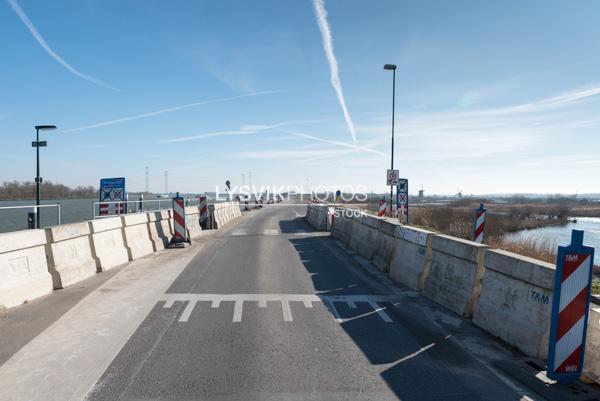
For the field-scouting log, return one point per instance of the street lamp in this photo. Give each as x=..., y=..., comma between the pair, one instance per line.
x=392, y=67
x=37, y=144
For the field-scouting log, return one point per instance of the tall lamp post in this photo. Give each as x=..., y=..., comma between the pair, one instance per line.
x=392, y=67
x=37, y=144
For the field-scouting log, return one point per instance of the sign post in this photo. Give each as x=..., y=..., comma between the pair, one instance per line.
x=570, y=309
x=112, y=190
x=338, y=196
x=402, y=199
x=479, y=224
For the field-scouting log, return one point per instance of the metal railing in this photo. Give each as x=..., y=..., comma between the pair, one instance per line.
x=35, y=211
x=136, y=206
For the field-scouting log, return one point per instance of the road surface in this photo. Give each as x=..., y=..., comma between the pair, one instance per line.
x=267, y=309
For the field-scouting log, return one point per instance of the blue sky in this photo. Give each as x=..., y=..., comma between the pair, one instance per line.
x=492, y=97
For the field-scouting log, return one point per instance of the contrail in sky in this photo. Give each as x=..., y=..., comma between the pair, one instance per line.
x=170, y=110
x=21, y=14
x=321, y=15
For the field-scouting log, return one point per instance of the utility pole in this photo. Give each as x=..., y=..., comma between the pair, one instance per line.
x=166, y=182
x=147, y=183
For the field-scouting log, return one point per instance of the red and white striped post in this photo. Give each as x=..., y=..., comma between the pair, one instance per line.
x=570, y=309
x=479, y=224
x=103, y=209
x=179, y=231
x=382, y=207
x=203, y=207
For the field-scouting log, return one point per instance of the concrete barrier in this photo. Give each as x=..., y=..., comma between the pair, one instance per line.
x=591, y=363
x=160, y=230
x=411, y=257
x=516, y=301
x=364, y=235
x=224, y=212
x=385, y=244
x=342, y=225
x=192, y=222
x=456, y=271
x=69, y=252
x=108, y=245
x=137, y=236
x=24, y=272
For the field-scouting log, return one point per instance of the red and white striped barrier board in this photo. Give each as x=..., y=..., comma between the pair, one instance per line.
x=382, y=207
x=570, y=309
x=103, y=209
x=203, y=206
x=479, y=224
x=179, y=232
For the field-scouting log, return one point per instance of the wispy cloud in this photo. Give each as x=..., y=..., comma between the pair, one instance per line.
x=21, y=14
x=321, y=15
x=522, y=129
x=170, y=110
x=246, y=129
x=563, y=99
x=330, y=142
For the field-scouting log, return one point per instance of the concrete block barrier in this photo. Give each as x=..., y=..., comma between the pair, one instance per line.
x=108, y=245
x=137, y=236
x=364, y=235
x=24, y=272
x=591, y=363
x=160, y=230
x=342, y=225
x=224, y=212
x=516, y=301
x=411, y=256
x=192, y=222
x=455, y=274
x=384, y=248
x=69, y=250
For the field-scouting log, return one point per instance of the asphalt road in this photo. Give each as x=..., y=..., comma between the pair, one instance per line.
x=271, y=310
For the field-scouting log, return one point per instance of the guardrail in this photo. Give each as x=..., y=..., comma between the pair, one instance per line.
x=114, y=208
x=32, y=219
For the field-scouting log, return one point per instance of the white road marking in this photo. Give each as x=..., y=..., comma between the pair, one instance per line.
x=334, y=312
x=287, y=313
x=271, y=231
x=380, y=311
x=237, y=311
x=285, y=299
x=239, y=232
x=187, y=312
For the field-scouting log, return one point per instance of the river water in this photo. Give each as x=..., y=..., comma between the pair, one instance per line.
x=561, y=235
x=71, y=210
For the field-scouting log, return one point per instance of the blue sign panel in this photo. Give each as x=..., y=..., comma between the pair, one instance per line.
x=570, y=309
x=402, y=199
x=112, y=189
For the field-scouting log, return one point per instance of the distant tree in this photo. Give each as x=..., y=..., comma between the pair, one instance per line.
x=15, y=190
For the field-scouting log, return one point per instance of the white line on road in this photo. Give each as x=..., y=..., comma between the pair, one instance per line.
x=285, y=299
x=271, y=231
x=287, y=313
x=237, y=311
x=187, y=312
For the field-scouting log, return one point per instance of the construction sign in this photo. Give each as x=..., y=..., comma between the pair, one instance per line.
x=112, y=196
x=570, y=309
x=402, y=199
